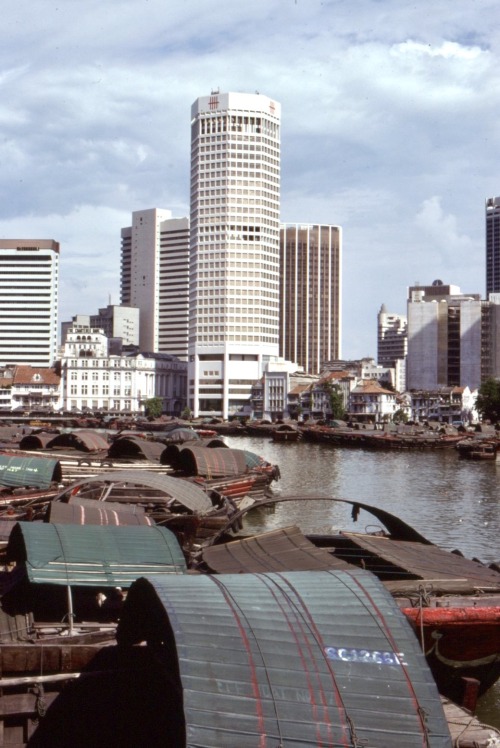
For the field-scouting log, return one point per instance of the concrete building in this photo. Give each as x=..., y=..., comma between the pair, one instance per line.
x=155, y=278
x=492, y=220
x=453, y=338
x=392, y=344
x=455, y=405
x=310, y=294
x=235, y=263
x=114, y=320
x=29, y=284
x=95, y=379
x=370, y=402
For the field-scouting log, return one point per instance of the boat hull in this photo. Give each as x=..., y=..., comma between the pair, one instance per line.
x=459, y=642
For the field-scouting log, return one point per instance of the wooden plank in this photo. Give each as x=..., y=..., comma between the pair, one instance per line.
x=35, y=658
x=429, y=562
x=23, y=704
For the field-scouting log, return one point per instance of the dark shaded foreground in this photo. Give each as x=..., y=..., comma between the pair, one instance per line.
x=125, y=697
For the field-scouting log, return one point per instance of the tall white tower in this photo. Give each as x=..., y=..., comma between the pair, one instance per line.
x=29, y=285
x=155, y=278
x=234, y=276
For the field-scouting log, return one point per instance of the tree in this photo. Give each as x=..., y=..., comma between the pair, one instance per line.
x=488, y=400
x=153, y=407
x=400, y=416
x=186, y=414
x=337, y=408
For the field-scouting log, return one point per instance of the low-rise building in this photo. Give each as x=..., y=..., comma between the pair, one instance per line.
x=453, y=405
x=34, y=388
x=370, y=402
x=96, y=376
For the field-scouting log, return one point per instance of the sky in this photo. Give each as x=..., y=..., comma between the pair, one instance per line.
x=390, y=130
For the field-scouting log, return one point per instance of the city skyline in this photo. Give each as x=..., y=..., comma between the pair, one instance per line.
x=388, y=131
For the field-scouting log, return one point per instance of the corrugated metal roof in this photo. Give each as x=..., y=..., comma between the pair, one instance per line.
x=302, y=658
x=36, y=441
x=189, y=495
x=90, y=555
x=134, y=446
x=280, y=550
x=212, y=462
x=85, y=441
x=23, y=470
x=91, y=512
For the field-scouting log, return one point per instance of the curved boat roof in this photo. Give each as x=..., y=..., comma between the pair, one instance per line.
x=24, y=470
x=296, y=658
x=91, y=555
x=91, y=512
x=186, y=493
x=83, y=440
x=134, y=446
x=209, y=462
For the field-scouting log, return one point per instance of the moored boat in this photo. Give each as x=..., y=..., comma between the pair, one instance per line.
x=478, y=449
x=452, y=603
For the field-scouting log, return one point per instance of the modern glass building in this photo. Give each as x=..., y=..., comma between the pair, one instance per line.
x=492, y=211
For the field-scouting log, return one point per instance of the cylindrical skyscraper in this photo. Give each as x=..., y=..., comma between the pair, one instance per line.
x=235, y=262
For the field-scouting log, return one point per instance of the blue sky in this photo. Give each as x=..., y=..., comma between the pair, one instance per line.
x=389, y=129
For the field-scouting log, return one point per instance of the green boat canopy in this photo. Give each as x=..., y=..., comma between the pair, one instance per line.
x=93, y=555
x=35, y=472
x=317, y=658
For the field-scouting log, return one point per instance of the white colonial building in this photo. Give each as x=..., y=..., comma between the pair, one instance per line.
x=370, y=402
x=96, y=378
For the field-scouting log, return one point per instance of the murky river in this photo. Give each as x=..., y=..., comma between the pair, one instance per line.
x=454, y=503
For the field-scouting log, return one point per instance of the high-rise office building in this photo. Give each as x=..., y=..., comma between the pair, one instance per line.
x=29, y=284
x=155, y=278
x=310, y=294
x=492, y=210
x=392, y=337
x=115, y=321
x=234, y=278
x=453, y=338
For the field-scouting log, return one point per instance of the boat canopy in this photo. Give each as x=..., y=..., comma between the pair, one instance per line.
x=134, y=446
x=24, y=470
x=285, y=549
x=207, y=462
x=82, y=440
x=184, y=492
x=36, y=441
x=90, y=555
x=81, y=511
x=304, y=658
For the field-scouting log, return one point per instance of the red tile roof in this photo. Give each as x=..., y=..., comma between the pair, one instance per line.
x=26, y=375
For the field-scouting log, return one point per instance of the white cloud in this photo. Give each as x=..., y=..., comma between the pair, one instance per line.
x=389, y=125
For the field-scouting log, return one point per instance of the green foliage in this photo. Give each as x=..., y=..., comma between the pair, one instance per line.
x=153, y=407
x=400, y=416
x=186, y=414
x=488, y=400
x=337, y=409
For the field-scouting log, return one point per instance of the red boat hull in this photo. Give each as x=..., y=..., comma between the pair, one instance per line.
x=459, y=642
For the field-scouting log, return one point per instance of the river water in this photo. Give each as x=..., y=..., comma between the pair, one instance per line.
x=455, y=503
